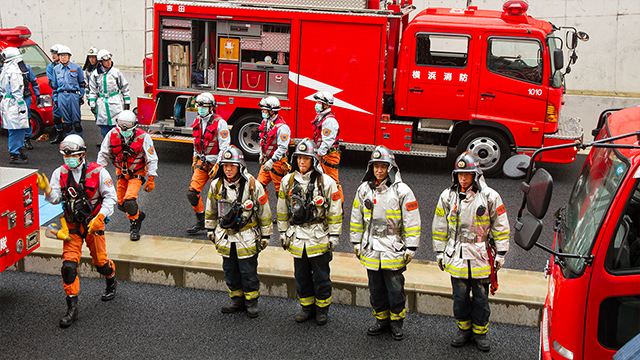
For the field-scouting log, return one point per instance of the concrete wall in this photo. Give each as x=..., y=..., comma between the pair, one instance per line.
x=606, y=74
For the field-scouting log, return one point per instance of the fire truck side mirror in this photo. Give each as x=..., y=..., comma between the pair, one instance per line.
x=558, y=59
x=527, y=231
x=538, y=193
x=572, y=39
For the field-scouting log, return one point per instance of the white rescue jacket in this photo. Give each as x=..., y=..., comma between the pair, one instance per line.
x=461, y=229
x=11, y=90
x=109, y=91
x=385, y=231
x=259, y=220
x=314, y=237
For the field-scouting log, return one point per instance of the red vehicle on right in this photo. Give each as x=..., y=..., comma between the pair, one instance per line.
x=593, y=302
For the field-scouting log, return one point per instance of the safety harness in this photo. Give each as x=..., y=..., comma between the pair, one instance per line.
x=79, y=202
x=232, y=220
x=128, y=156
x=301, y=209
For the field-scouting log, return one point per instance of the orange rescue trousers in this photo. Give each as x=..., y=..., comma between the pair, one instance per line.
x=72, y=250
x=128, y=188
x=201, y=174
x=330, y=162
x=279, y=170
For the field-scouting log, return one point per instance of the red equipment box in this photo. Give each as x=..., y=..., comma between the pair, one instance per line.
x=254, y=81
x=227, y=76
x=396, y=135
x=19, y=220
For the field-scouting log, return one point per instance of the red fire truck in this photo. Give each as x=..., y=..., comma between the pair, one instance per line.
x=593, y=303
x=487, y=82
x=19, y=222
x=32, y=54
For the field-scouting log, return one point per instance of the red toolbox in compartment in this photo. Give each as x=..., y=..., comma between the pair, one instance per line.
x=227, y=76
x=396, y=135
x=254, y=81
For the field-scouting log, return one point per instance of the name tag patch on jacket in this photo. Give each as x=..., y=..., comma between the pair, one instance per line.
x=335, y=196
x=501, y=210
x=412, y=205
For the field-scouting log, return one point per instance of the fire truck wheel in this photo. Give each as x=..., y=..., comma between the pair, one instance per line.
x=245, y=135
x=37, y=127
x=489, y=147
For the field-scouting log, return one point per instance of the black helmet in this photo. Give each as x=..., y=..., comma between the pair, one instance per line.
x=308, y=148
x=383, y=155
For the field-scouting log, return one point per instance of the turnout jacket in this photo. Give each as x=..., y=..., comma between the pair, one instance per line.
x=259, y=220
x=109, y=91
x=314, y=237
x=461, y=229
x=385, y=231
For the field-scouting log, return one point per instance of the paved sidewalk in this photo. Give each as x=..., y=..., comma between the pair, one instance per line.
x=194, y=263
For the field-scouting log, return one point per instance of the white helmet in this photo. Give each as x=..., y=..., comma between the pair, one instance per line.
x=72, y=145
x=64, y=50
x=270, y=103
x=10, y=53
x=93, y=51
x=324, y=97
x=55, y=48
x=104, y=54
x=205, y=99
x=127, y=120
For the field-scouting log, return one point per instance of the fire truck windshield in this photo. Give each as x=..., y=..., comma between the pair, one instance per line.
x=33, y=55
x=590, y=199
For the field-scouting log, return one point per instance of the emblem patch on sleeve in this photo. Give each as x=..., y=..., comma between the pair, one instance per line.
x=326, y=132
x=412, y=205
x=224, y=133
x=263, y=200
x=284, y=137
x=108, y=182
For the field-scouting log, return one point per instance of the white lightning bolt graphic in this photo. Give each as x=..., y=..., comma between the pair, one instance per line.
x=320, y=86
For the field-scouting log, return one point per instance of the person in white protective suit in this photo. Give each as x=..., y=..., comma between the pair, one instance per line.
x=108, y=92
x=13, y=108
x=469, y=217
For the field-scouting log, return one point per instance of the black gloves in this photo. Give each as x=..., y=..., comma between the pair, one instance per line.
x=126, y=106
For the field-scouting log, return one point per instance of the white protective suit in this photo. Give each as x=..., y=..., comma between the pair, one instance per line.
x=13, y=109
x=109, y=91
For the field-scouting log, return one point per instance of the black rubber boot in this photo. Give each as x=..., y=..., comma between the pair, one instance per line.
x=378, y=328
x=482, y=342
x=110, y=291
x=135, y=227
x=199, y=226
x=252, y=308
x=396, y=330
x=59, y=137
x=237, y=304
x=16, y=159
x=462, y=337
x=72, y=312
x=306, y=313
x=23, y=154
x=27, y=144
x=322, y=315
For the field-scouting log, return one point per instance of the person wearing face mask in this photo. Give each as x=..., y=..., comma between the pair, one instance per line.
x=309, y=213
x=238, y=221
x=13, y=108
x=132, y=153
x=275, y=136
x=210, y=137
x=385, y=233
x=86, y=192
x=325, y=135
x=68, y=91
x=108, y=92
x=57, y=120
x=469, y=217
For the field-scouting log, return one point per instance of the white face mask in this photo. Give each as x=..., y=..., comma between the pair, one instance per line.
x=318, y=108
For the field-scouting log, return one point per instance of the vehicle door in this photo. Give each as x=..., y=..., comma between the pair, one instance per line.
x=511, y=87
x=439, y=76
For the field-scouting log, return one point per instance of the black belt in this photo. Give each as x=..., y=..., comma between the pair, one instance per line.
x=69, y=91
x=124, y=177
x=322, y=160
x=276, y=173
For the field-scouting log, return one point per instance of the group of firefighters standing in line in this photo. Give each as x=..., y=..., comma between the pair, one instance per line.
x=385, y=222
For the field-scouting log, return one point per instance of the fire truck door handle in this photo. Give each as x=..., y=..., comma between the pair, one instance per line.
x=4, y=253
x=488, y=95
x=416, y=90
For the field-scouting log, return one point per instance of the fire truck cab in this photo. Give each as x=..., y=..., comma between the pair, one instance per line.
x=32, y=54
x=483, y=81
x=592, y=306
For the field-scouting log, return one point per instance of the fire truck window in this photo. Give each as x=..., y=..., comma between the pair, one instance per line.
x=516, y=58
x=618, y=321
x=34, y=56
x=623, y=255
x=442, y=50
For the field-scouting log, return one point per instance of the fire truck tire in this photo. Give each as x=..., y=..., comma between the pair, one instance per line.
x=37, y=126
x=245, y=135
x=488, y=146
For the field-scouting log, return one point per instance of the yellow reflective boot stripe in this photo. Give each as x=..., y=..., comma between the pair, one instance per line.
x=400, y=316
x=323, y=303
x=477, y=329
x=235, y=293
x=308, y=301
x=252, y=295
x=464, y=325
x=382, y=315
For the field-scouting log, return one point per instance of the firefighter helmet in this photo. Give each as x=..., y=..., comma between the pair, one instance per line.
x=306, y=147
x=206, y=99
x=270, y=103
x=55, y=48
x=64, y=50
x=466, y=163
x=104, y=54
x=127, y=120
x=93, y=51
x=72, y=145
x=383, y=155
x=233, y=155
x=324, y=97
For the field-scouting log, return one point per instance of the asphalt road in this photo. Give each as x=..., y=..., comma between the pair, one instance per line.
x=169, y=213
x=159, y=322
